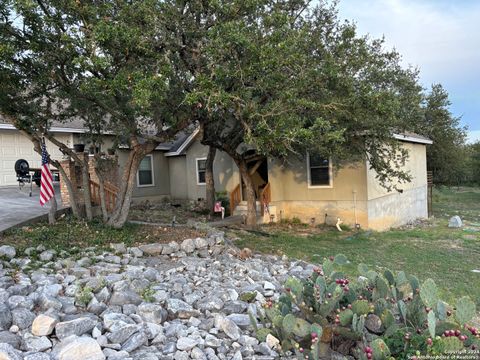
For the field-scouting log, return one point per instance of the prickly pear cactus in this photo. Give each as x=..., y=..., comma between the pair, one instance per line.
x=432, y=323
x=346, y=317
x=389, y=276
x=301, y=328
x=402, y=309
x=262, y=334
x=381, y=288
x=414, y=284
x=362, y=269
x=317, y=329
x=401, y=278
x=465, y=310
x=441, y=310
x=380, y=306
x=295, y=286
x=387, y=318
x=340, y=259
x=429, y=293
x=288, y=323
x=360, y=307
x=327, y=267
x=380, y=350
x=451, y=344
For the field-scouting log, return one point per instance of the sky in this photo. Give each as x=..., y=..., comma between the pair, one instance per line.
x=440, y=37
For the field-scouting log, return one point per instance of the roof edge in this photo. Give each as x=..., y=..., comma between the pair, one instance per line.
x=413, y=139
x=187, y=142
x=52, y=129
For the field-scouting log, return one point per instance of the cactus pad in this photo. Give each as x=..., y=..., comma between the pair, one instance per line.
x=361, y=307
x=346, y=317
x=432, y=323
x=380, y=350
x=465, y=310
x=429, y=293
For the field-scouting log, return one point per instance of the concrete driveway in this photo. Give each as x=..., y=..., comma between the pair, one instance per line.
x=16, y=206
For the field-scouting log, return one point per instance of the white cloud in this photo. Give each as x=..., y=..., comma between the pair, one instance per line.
x=442, y=39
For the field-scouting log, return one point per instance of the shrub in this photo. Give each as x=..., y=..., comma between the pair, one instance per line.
x=379, y=316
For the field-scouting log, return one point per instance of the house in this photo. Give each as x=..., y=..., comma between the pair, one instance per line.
x=305, y=189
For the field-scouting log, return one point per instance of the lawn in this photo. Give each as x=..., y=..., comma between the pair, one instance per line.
x=429, y=250
x=71, y=235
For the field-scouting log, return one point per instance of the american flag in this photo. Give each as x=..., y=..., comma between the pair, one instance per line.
x=46, y=181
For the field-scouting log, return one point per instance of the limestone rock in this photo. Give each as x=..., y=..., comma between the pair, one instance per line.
x=373, y=324
x=7, y=352
x=455, y=222
x=186, y=343
x=78, y=348
x=180, y=309
x=151, y=249
x=77, y=327
x=8, y=251
x=43, y=325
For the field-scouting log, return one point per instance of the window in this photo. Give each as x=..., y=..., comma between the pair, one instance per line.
x=201, y=171
x=145, y=172
x=319, y=171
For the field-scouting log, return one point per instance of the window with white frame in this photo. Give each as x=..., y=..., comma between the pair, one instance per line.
x=201, y=169
x=319, y=171
x=145, y=172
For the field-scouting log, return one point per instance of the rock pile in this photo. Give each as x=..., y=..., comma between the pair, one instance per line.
x=178, y=301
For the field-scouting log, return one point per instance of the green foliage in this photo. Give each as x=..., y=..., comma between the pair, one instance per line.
x=429, y=292
x=432, y=321
x=380, y=350
x=465, y=310
x=321, y=304
x=360, y=307
x=83, y=296
x=446, y=157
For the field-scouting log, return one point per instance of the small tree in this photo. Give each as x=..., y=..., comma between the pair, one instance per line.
x=287, y=79
x=446, y=156
x=107, y=58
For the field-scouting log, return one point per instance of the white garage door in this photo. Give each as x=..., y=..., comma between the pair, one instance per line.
x=14, y=146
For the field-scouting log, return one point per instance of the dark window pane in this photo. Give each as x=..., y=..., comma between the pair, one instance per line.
x=201, y=177
x=318, y=160
x=201, y=164
x=145, y=177
x=319, y=176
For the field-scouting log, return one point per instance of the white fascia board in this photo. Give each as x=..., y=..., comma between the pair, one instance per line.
x=52, y=129
x=412, y=139
x=184, y=145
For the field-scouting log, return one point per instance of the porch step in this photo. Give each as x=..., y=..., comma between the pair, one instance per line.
x=241, y=208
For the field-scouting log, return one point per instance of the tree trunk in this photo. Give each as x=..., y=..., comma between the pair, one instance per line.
x=250, y=192
x=53, y=211
x=209, y=181
x=103, y=204
x=120, y=214
x=86, y=190
x=71, y=193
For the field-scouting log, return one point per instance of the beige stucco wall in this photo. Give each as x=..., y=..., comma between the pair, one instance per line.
x=390, y=209
x=292, y=197
x=226, y=174
x=416, y=166
x=161, y=177
x=178, y=177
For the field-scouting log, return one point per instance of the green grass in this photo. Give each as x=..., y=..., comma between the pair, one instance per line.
x=70, y=234
x=431, y=250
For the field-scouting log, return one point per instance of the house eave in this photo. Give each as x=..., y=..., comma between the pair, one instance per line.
x=184, y=145
x=412, y=139
x=52, y=129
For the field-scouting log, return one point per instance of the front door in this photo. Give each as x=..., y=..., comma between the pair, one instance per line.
x=258, y=169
